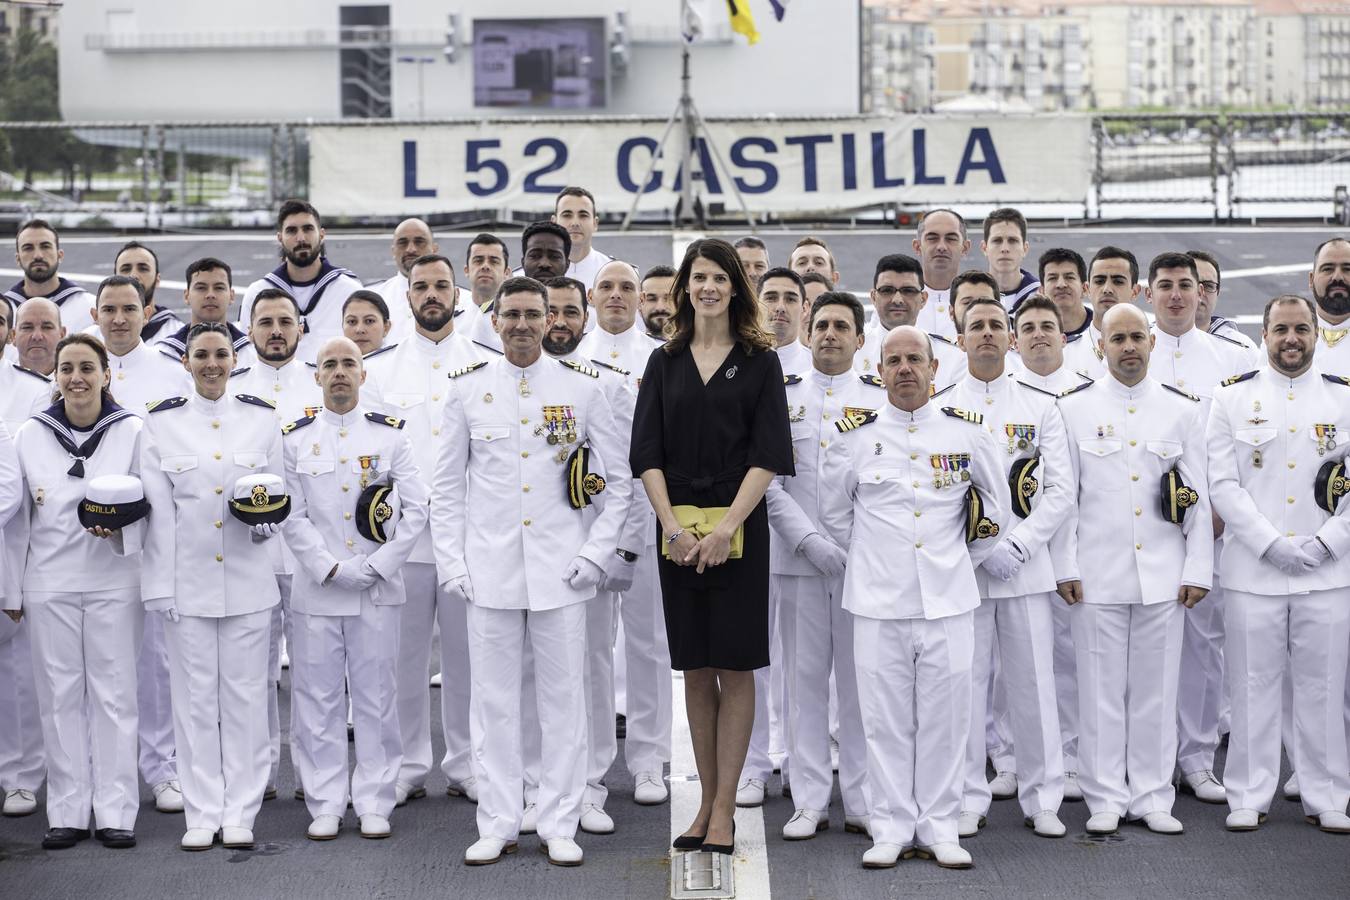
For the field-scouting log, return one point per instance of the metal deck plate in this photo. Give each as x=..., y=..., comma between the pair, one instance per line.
x=701, y=876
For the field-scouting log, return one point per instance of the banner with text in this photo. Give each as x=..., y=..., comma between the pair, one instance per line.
x=778, y=165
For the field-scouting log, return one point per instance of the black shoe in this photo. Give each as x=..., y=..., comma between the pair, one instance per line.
x=688, y=842
x=726, y=849
x=116, y=838
x=63, y=838
x=620, y=726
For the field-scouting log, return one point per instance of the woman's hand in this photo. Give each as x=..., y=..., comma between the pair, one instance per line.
x=713, y=550
x=683, y=549
x=99, y=531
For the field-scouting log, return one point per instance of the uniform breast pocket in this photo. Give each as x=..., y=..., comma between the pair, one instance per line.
x=883, y=490
x=175, y=464
x=402, y=400
x=1166, y=451
x=314, y=467
x=489, y=433
x=250, y=459
x=1100, y=460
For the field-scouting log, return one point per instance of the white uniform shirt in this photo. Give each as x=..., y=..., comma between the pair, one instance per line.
x=1081, y=353
x=499, y=506
x=292, y=388
x=327, y=293
x=1333, y=347
x=950, y=358
x=936, y=315
x=1197, y=361
x=1227, y=328
x=74, y=302
x=588, y=267
x=411, y=382
x=1024, y=422
x=145, y=375
x=22, y=393
x=327, y=456
x=896, y=492
x=1264, y=454
x=816, y=401
x=198, y=557
x=46, y=547
x=1057, y=382
x=792, y=357
x=1121, y=442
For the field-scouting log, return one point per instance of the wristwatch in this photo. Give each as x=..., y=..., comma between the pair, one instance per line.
x=626, y=555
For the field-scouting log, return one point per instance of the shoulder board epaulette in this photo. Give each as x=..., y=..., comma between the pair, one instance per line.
x=857, y=420
x=161, y=405
x=1032, y=387
x=964, y=415
x=941, y=392
x=1337, y=379
x=792, y=379
x=473, y=367
x=169, y=353
x=938, y=337
x=38, y=375
x=579, y=367
x=1229, y=382
x=605, y=365
x=1073, y=390
x=391, y=421
x=1176, y=390
x=488, y=347
x=873, y=380
x=1224, y=337
x=486, y=307
x=240, y=371
x=298, y=423
x=385, y=349
x=255, y=401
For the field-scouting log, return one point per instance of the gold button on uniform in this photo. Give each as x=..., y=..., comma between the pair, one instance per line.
x=1177, y=354
x=824, y=444
x=918, y=544
x=1291, y=463
x=342, y=459
x=914, y=456
x=524, y=421
x=917, y=513
x=350, y=543
x=216, y=455
x=215, y=423
x=347, y=515
x=1139, y=546
x=525, y=488
x=1291, y=499
x=524, y=454
x=1138, y=511
x=435, y=397
x=220, y=490
x=435, y=365
x=1133, y=442
x=345, y=488
x=435, y=431
x=219, y=524
x=527, y=521
x=219, y=558
x=1134, y=476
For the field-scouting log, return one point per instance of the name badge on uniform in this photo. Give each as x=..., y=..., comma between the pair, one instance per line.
x=1326, y=438
x=370, y=468
x=1020, y=437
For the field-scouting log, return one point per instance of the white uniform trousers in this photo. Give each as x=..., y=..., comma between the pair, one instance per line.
x=646, y=664
x=1066, y=681
x=279, y=630
x=155, y=709
x=1202, y=672
x=329, y=656
x=23, y=764
x=426, y=606
x=767, y=733
x=823, y=634
x=84, y=665
x=497, y=641
x=914, y=694
x=218, y=674
x=1308, y=633
x=997, y=724
x=1129, y=660
x=1021, y=631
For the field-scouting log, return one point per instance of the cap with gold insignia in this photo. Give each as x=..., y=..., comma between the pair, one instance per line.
x=582, y=483
x=260, y=499
x=1177, y=497
x=978, y=525
x=1022, y=481
x=377, y=512
x=113, y=502
x=1331, y=485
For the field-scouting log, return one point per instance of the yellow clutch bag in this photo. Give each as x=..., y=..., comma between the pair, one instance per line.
x=700, y=522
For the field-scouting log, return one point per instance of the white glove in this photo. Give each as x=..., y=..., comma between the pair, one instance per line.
x=1317, y=550
x=171, y=614
x=264, y=530
x=1004, y=561
x=824, y=554
x=1289, y=557
x=618, y=575
x=353, y=574
x=583, y=575
x=459, y=588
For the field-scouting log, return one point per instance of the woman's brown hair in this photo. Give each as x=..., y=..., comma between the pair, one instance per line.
x=743, y=311
x=80, y=339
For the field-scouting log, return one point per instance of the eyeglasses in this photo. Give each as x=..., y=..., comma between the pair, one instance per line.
x=1209, y=287
x=515, y=315
x=887, y=292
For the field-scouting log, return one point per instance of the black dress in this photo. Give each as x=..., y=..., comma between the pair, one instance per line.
x=705, y=438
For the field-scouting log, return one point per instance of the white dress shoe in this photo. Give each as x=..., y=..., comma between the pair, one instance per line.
x=1046, y=824
x=436, y=680
x=468, y=789
x=948, y=855
x=237, y=837
x=1330, y=822
x=804, y=824
x=403, y=792
x=1244, y=820
x=486, y=851
x=1004, y=786
x=1072, y=792
x=374, y=826
x=197, y=839
x=1291, y=791
x=750, y=793
x=1103, y=823
x=529, y=820
x=21, y=803
x=970, y=823
x=595, y=820
x=881, y=856
x=168, y=797
x=649, y=789
x=324, y=828
x=563, y=852
x=1205, y=787
x=857, y=825
x=1160, y=822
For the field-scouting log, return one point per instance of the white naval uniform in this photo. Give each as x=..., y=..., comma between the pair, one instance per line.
x=411, y=382
x=646, y=657
x=586, y=269
x=1197, y=361
x=1265, y=452
x=343, y=636
x=1333, y=357
x=202, y=561
x=820, y=630
x=1014, y=618
x=1081, y=353
x=139, y=378
x=936, y=315
x=23, y=765
x=174, y=345
x=910, y=585
x=80, y=597
x=394, y=290
x=1227, y=328
x=74, y=303
x=320, y=301
x=950, y=358
x=515, y=553
x=1127, y=631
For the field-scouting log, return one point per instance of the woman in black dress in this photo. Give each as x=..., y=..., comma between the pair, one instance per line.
x=711, y=430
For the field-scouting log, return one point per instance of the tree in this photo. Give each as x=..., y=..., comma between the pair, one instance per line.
x=29, y=92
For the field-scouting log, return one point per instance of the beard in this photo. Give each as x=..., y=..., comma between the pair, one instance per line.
x=433, y=319
x=656, y=322
x=1336, y=301
x=280, y=356
x=561, y=346
x=302, y=258
x=38, y=270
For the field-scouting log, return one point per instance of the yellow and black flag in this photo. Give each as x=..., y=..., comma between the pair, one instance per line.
x=741, y=20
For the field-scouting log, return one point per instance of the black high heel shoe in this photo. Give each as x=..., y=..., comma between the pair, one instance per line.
x=688, y=841
x=727, y=849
